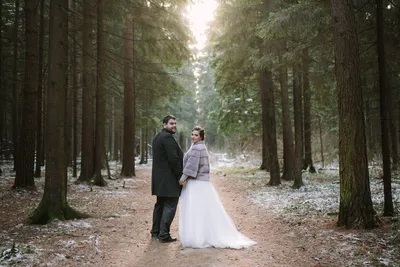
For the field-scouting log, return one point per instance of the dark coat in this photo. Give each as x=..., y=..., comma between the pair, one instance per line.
x=167, y=165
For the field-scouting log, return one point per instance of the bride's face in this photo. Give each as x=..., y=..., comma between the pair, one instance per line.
x=195, y=136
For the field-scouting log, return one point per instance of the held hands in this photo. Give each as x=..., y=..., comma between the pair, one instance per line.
x=183, y=179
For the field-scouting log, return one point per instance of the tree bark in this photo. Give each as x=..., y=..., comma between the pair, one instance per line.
x=264, y=121
x=355, y=196
x=25, y=168
x=288, y=146
x=128, y=159
x=75, y=97
x=2, y=89
x=298, y=118
x=100, y=97
x=393, y=125
x=268, y=100
x=275, y=178
x=321, y=141
x=116, y=127
x=368, y=128
x=15, y=89
x=385, y=103
x=54, y=201
x=308, y=162
x=39, y=130
x=87, y=165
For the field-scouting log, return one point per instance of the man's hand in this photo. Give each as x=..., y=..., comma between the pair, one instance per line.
x=183, y=183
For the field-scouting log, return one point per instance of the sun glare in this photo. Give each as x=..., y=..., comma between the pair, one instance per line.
x=200, y=13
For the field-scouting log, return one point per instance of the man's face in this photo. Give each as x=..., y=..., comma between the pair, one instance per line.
x=170, y=126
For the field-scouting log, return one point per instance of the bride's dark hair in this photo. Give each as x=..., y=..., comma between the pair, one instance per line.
x=200, y=130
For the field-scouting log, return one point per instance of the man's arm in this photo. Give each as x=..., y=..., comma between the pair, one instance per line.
x=171, y=149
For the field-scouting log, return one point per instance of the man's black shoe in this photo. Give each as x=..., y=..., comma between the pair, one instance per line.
x=168, y=240
x=154, y=237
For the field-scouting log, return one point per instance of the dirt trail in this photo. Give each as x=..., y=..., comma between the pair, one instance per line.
x=117, y=234
x=127, y=242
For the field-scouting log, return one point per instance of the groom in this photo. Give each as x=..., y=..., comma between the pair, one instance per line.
x=166, y=171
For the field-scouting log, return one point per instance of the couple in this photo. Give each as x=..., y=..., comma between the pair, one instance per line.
x=203, y=221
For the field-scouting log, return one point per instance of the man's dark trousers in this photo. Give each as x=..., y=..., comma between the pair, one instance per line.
x=163, y=214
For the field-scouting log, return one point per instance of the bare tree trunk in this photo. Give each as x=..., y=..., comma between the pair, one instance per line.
x=385, y=103
x=146, y=149
x=15, y=89
x=39, y=130
x=142, y=141
x=69, y=105
x=393, y=125
x=264, y=121
x=308, y=162
x=54, y=201
x=268, y=95
x=100, y=97
x=321, y=141
x=355, y=196
x=288, y=146
x=2, y=87
x=25, y=169
x=368, y=128
x=87, y=165
x=298, y=118
x=74, y=96
x=116, y=126
x=128, y=159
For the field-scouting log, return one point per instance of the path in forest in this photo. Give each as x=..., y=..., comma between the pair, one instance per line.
x=128, y=243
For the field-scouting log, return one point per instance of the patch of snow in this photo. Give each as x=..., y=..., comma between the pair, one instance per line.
x=74, y=224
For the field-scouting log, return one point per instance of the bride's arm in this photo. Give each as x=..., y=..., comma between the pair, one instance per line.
x=183, y=178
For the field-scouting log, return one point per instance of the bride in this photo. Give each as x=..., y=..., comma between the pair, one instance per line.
x=203, y=221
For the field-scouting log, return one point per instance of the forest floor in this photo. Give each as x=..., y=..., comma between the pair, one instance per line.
x=117, y=233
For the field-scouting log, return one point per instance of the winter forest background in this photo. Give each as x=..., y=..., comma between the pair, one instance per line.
x=294, y=87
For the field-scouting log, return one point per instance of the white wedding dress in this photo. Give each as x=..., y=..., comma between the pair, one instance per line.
x=203, y=221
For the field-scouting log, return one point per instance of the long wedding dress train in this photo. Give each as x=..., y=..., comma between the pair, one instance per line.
x=203, y=221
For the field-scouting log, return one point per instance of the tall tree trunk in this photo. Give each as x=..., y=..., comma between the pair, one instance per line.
x=288, y=146
x=146, y=149
x=355, y=195
x=116, y=127
x=39, y=131
x=267, y=94
x=69, y=105
x=134, y=96
x=54, y=201
x=321, y=142
x=385, y=103
x=264, y=121
x=298, y=118
x=128, y=158
x=393, y=125
x=15, y=89
x=368, y=122
x=87, y=167
x=2, y=89
x=308, y=162
x=100, y=97
x=25, y=169
x=142, y=146
x=74, y=96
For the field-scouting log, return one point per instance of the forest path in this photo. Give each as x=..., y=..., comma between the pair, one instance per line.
x=117, y=232
x=128, y=242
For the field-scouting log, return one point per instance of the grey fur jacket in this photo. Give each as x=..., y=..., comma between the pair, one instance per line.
x=196, y=163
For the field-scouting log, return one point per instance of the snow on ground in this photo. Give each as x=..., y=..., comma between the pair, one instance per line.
x=318, y=201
